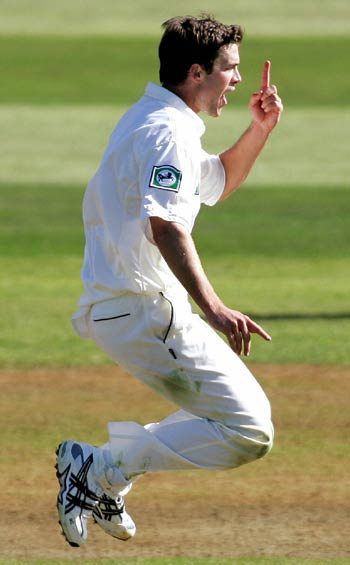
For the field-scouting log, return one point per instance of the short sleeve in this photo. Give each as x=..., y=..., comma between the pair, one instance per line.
x=169, y=182
x=212, y=179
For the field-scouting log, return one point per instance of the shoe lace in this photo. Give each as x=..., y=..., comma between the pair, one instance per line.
x=108, y=507
x=79, y=493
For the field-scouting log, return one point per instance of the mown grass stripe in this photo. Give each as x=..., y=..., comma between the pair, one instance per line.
x=64, y=144
x=272, y=252
x=61, y=70
x=85, y=17
x=279, y=224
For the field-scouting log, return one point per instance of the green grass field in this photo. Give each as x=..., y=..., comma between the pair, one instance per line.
x=278, y=249
x=272, y=252
x=107, y=70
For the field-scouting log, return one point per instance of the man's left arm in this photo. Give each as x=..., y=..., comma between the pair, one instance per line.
x=266, y=108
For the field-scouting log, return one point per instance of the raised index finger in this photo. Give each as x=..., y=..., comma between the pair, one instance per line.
x=265, y=80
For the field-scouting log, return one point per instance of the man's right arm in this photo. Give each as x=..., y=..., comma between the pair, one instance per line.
x=177, y=247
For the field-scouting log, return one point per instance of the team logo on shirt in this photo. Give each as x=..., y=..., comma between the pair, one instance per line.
x=166, y=177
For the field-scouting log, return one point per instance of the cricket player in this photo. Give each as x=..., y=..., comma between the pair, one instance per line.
x=140, y=268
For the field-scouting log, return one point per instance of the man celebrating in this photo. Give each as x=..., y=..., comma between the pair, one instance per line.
x=140, y=267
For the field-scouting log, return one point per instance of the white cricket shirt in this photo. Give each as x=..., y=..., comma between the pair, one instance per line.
x=154, y=165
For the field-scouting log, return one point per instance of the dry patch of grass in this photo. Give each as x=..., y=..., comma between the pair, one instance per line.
x=292, y=503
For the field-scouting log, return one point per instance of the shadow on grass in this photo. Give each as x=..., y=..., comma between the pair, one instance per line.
x=302, y=316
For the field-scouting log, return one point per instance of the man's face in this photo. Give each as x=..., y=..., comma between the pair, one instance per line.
x=223, y=78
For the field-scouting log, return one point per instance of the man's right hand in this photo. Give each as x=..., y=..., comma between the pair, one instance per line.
x=237, y=327
x=176, y=245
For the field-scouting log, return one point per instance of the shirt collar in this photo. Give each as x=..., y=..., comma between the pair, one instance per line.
x=160, y=93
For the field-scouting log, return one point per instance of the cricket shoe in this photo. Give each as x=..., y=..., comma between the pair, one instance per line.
x=80, y=495
x=111, y=516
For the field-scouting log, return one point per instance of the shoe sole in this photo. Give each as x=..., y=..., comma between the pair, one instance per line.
x=112, y=535
x=71, y=543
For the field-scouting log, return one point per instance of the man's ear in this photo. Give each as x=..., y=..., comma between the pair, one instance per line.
x=196, y=73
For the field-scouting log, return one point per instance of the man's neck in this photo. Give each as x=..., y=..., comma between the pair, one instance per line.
x=183, y=92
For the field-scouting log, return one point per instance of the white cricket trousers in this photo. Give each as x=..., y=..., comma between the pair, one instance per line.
x=224, y=419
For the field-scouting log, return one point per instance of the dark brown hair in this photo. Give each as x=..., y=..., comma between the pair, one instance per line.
x=188, y=40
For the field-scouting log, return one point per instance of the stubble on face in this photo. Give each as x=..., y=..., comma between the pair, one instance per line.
x=222, y=79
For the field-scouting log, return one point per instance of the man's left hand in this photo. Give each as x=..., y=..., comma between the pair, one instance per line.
x=266, y=106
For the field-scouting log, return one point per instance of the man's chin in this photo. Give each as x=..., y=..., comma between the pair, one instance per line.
x=214, y=113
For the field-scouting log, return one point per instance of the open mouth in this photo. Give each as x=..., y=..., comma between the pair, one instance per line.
x=223, y=100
